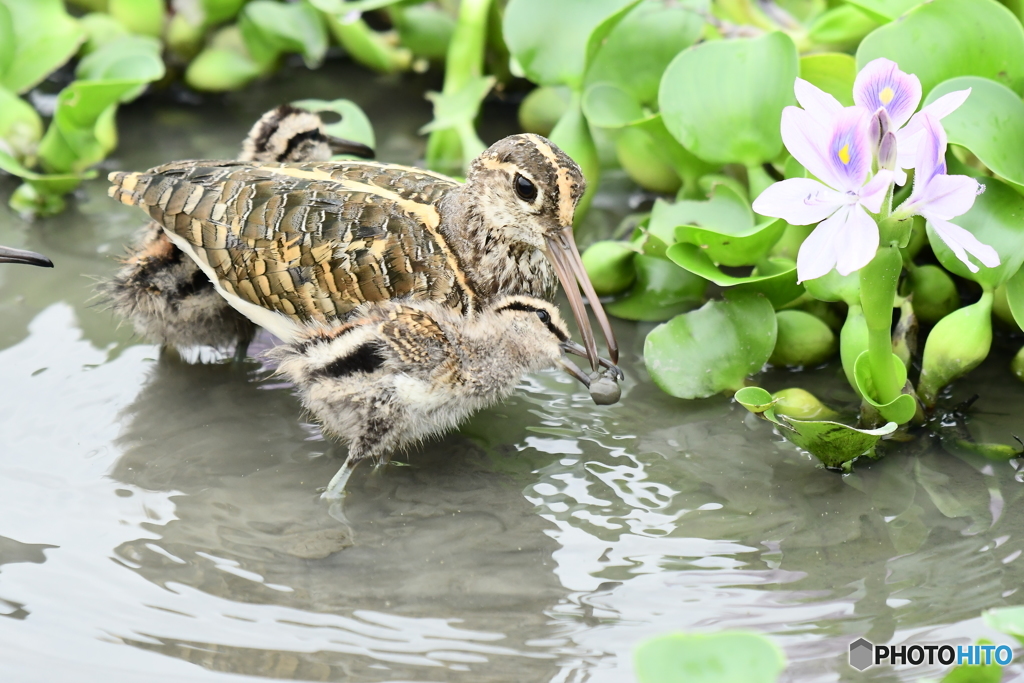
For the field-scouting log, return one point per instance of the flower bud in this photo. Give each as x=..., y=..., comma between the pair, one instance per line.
x=802, y=340
x=887, y=152
x=935, y=294
x=801, y=405
x=957, y=344
x=609, y=265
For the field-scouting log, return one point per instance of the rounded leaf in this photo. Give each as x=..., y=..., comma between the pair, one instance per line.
x=779, y=285
x=708, y=658
x=833, y=443
x=754, y=399
x=712, y=349
x=935, y=294
x=990, y=124
x=833, y=72
x=662, y=290
x=943, y=39
x=899, y=410
x=642, y=158
x=723, y=99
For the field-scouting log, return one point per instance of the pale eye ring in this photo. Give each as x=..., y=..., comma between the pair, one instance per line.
x=524, y=187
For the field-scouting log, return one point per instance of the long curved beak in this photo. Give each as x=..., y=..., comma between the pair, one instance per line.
x=569, y=346
x=343, y=146
x=562, y=251
x=29, y=258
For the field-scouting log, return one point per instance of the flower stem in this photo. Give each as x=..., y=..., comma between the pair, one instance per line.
x=878, y=282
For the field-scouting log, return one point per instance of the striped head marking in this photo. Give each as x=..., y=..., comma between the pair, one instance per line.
x=289, y=133
x=525, y=188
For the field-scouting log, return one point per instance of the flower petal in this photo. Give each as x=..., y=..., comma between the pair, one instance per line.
x=850, y=149
x=909, y=137
x=881, y=85
x=961, y=241
x=947, y=104
x=801, y=201
x=822, y=107
x=947, y=196
x=817, y=255
x=807, y=141
x=872, y=194
x=931, y=152
x=856, y=241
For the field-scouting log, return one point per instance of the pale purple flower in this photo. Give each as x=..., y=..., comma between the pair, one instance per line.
x=939, y=197
x=881, y=86
x=840, y=155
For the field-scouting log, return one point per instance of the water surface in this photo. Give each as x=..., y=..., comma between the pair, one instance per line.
x=159, y=517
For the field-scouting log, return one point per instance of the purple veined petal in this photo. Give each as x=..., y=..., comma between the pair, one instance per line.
x=808, y=142
x=817, y=255
x=872, y=194
x=881, y=84
x=947, y=196
x=850, y=149
x=963, y=242
x=931, y=153
x=822, y=107
x=800, y=201
x=856, y=241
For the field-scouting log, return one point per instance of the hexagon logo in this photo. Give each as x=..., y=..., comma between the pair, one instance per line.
x=861, y=654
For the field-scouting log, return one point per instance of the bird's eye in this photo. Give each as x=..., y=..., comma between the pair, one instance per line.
x=544, y=316
x=524, y=188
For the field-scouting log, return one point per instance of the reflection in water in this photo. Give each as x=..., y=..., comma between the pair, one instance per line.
x=175, y=503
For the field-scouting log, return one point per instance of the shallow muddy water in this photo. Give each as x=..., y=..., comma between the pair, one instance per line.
x=160, y=521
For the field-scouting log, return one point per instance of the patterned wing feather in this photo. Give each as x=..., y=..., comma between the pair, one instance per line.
x=310, y=240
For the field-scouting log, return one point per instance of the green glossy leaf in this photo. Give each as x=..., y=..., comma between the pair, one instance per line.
x=734, y=124
x=975, y=673
x=354, y=124
x=128, y=58
x=956, y=345
x=943, y=39
x=549, y=39
x=853, y=341
x=218, y=69
x=609, y=106
x=458, y=108
x=935, y=293
x=995, y=219
x=729, y=657
x=754, y=399
x=740, y=249
x=724, y=212
x=841, y=28
x=81, y=133
x=833, y=443
x=270, y=28
x=990, y=124
x=636, y=51
x=687, y=166
x=1008, y=620
x=100, y=29
x=144, y=17
x=884, y=11
x=712, y=349
x=425, y=29
x=20, y=125
x=44, y=37
x=366, y=46
x=779, y=287
x=901, y=409
x=6, y=39
x=803, y=340
x=216, y=11
x=833, y=72
x=661, y=290
x=1015, y=297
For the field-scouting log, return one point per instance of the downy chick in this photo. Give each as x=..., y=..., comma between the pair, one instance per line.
x=397, y=373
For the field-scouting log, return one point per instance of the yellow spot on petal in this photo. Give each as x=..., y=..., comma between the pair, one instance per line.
x=886, y=95
x=844, y=154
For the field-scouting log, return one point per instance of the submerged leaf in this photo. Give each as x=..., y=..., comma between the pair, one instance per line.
x=729, y=657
